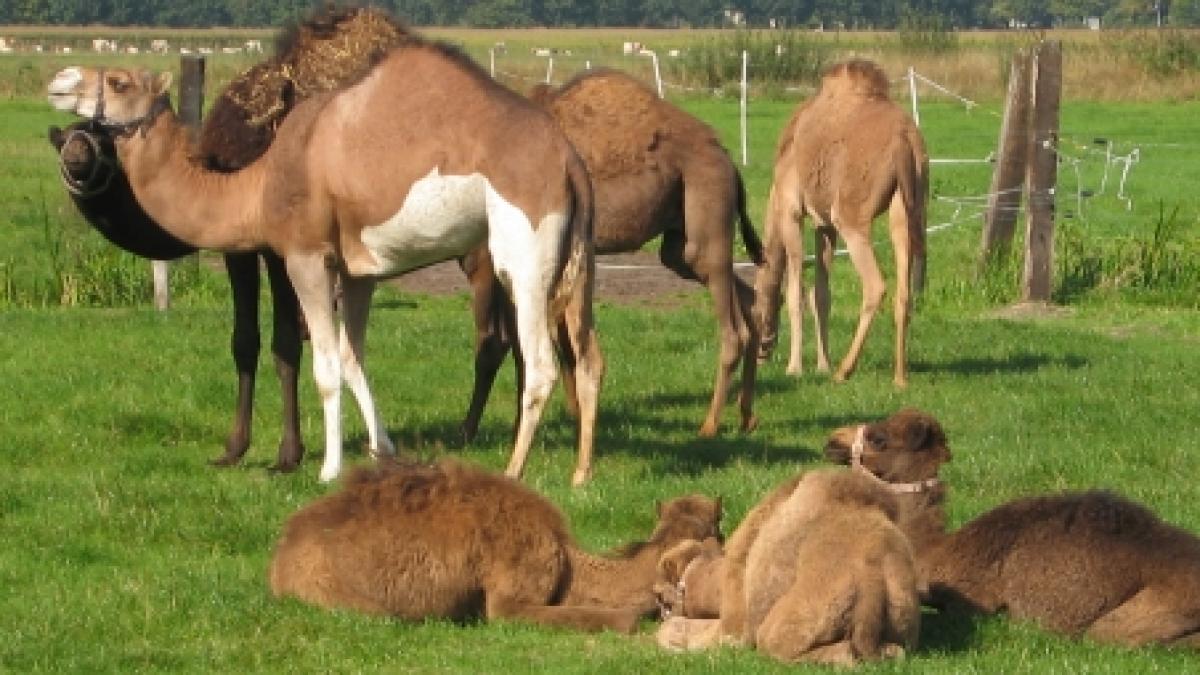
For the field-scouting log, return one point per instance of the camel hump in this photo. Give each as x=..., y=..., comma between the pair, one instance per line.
x=858, y=78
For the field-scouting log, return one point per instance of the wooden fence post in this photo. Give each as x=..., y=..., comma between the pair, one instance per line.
x=1042, y=173
x=1004, y=197
x=191, y=108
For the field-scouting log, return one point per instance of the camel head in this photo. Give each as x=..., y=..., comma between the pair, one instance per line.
x=692, y=517
x=114, y=96
x=907, y=447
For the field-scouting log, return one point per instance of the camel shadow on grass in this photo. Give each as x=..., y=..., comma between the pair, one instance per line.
x=1019, y=362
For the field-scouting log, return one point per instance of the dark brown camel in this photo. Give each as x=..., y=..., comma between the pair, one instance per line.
x=317, y=55
x=655, y=170
x=1089, y=563
x=454, y=541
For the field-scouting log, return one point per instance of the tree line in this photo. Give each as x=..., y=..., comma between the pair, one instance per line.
x=828, y=14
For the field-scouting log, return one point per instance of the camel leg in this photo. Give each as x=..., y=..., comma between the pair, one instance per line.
x=312, y=276
x=243, y=285
x=521, y=588
x=748, y=333
x=857, y=236
x=794, y=245
x=489, y=307
x=1149, y=617
x=583, y=369
x=525, y=260
x=287, y=345
x=902, y=307
x=680, y=633
x=780, y=222
x=356, y=307
x=824, y=240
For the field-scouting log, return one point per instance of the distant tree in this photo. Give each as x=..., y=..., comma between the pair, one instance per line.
x=1185, y=13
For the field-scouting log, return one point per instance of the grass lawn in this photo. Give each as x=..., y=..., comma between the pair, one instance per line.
x=123, y=551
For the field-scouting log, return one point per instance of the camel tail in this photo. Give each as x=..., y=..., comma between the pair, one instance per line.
x=753, y=244
x=577, y=253
x=913, y=183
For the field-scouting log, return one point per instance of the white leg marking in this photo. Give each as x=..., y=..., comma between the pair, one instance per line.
x=356, y=300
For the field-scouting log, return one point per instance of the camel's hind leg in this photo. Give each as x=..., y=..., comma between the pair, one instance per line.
x=1150, y=617
x=794, y=244
x=356, y=307
x=287, y=345
x=856, y=233
x=526, y=259
x=584, y=368
x=242, y=269
x=902, y=304
x=492, y=313
x=824, y=242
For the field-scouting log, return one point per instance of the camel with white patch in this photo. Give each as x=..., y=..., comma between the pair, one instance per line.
x=846, y=156
x=421, y=160
x=817, y=572
x=1088, y=563
x=453, y=541
x=656, y=171
x=312, y=56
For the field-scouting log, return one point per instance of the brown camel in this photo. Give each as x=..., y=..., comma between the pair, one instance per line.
x=408, y=166
x=1088, y=563
x=454, y=541
x=312, y=56
x=656, y=170
x=689, y=580
x=820, y=574
x=847, y=155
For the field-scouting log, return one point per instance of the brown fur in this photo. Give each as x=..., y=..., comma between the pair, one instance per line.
x=328, y=176
x=1088, y=563
x=689, y=580
x=846, y=156
x=453, y=541
x=655, y=170
x=808, y=592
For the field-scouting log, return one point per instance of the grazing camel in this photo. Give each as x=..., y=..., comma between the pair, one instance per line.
x=453, y=541
x=1088, y=563
x=655, y=170
x=312, y=56
x=821, y=574
x=408, y=166
x=846, y=155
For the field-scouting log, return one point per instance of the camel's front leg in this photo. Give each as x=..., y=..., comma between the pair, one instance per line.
x=287, y=345
x=902, y=307
x=312, y=276
x=242, y=269
x=586, y=369
x=356, y=308
x=492, y=313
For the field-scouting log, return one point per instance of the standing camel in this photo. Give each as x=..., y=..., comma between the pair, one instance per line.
x=1088, y=563
x=655, y=170
x=421, y=160
x=846, y=156
x=312, y=56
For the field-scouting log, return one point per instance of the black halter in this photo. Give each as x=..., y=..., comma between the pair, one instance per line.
x=103, y=167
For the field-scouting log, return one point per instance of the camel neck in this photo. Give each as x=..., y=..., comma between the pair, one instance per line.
x=618, y=582
x=200, y=207
x=922, y=518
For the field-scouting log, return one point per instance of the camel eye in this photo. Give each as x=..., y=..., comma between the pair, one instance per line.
x=118, y=86
x=876, y=440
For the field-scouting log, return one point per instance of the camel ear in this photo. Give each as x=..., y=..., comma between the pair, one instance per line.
x=162, y=83
x=918, y=434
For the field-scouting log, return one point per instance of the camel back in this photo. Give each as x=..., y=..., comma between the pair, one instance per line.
x=856, y=78
x=625, y=120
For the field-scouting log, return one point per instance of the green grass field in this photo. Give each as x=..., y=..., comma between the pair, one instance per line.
x=123, y=551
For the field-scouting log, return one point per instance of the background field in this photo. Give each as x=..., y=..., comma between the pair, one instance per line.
x=123, y=551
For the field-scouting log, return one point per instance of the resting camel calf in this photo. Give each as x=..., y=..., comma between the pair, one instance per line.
x=821, y=574
x=689, y=580
x=453, y=541
x=847, y=155
x=1088, y=563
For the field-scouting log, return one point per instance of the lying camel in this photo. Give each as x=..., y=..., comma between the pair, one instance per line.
x=819, y=572
x=689, y=580
x=453, y=541
x=1088, y=563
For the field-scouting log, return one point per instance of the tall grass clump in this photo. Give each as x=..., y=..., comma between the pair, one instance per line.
x=777, y=59
x=1160, y=266
x=926, y=34
x=1163, y=53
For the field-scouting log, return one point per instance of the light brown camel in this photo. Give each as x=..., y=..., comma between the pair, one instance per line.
x=689, y=580
x=312, y=56
x=1086, y=563
x=847, y=155
x=821, y=573
x=421, y=160
x=453, y=541
x=656, y=170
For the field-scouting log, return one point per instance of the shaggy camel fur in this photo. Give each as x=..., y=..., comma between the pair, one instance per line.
x=1086, y=563
x=313, y=56
x=453, y=541
x=845, y=156
x=411, y=165
x=821, y=573
x=655, y=170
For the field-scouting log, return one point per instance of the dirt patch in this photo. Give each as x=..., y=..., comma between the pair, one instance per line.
x=625, y=278
x=1032, y=310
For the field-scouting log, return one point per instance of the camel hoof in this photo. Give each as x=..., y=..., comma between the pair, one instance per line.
x=794, y=371
x=900, y=382
x=709, y=430
x=749, y=423
x=288, y=466
x=582, y=477
x=226, y=460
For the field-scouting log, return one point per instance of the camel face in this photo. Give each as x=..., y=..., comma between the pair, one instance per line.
x=909, y=446
x=116, y=96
